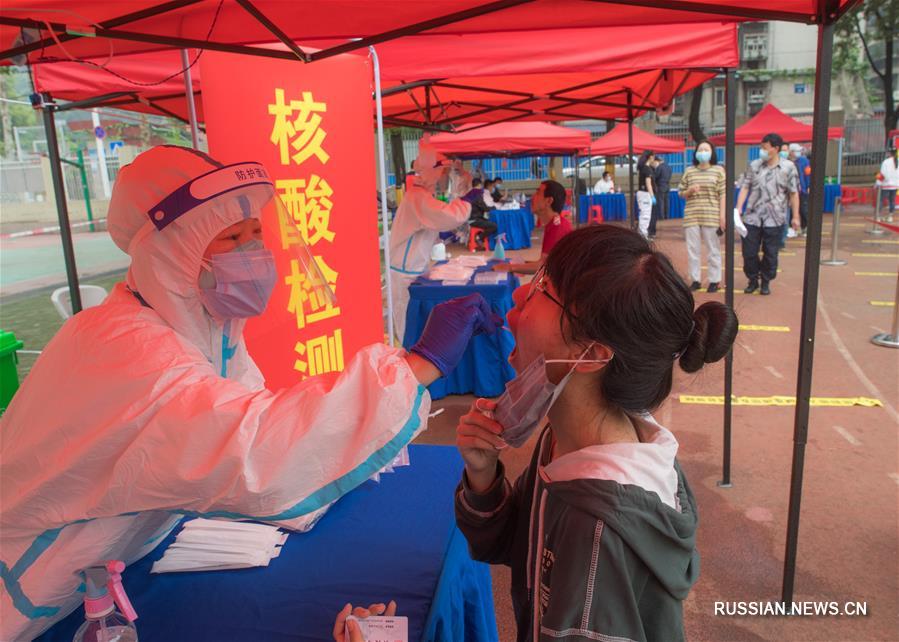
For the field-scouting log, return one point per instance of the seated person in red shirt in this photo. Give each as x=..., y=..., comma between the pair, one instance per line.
x=547, y=204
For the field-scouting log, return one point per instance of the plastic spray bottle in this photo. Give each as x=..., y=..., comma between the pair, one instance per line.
x=103, y=623
x=499, y=250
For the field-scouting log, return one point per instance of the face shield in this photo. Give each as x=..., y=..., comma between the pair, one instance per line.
x=245, y=191
x=431, y=166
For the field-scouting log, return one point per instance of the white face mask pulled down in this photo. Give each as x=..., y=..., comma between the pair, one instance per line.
x=529, y=397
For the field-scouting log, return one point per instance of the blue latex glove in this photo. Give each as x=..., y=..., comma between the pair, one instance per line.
x=654, y=199
x=449, y=328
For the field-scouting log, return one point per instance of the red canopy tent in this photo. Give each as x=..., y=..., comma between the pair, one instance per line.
x=232, y=25
x=772, y=120
x=615, y=143
x=512, y=139
x=441, y=80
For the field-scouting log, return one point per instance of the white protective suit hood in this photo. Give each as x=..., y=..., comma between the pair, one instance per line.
x=430, y=166
x=165, y=264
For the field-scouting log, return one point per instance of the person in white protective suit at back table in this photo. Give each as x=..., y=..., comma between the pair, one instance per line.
x=148, y=408
x=419, y=220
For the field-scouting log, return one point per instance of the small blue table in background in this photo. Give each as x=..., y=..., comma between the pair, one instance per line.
x=517, y=225
x=484, y=369
x=395, y=539
x=614, y=206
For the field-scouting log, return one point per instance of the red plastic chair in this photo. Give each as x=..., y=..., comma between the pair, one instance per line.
x=473, y=239
x=595, y=215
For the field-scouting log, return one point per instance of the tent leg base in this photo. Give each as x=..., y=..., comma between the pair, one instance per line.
x=886, y=340
x=876, y=231
x=722, y=484
x=833, y=262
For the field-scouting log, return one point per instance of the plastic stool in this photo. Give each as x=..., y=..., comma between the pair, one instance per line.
x=473, y=239
x=595, y=214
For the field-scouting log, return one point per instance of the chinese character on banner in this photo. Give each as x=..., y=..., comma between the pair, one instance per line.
x=297, y=128
x=309, y=205
x=306, y=301
x=322, y=355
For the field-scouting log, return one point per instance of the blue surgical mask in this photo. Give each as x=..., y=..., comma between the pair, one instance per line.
x=763, y=154
x=238, y=284
x=529, y=397
x=703, y=157
x=784, y=155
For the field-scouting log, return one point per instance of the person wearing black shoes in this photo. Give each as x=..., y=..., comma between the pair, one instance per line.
x=702, y=187
x=771, y=185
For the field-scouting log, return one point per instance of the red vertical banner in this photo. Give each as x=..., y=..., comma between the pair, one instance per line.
x=311, y=126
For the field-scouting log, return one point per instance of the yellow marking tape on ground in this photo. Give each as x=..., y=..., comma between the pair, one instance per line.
x=875, y=274
x=776, y=400
x=882, y=304
x=787, y=254
x=879, y=242
x=765, y=328
x=852, y=224
x=876, y=255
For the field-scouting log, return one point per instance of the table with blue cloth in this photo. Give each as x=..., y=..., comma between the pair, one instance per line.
x=614, y=206
x=831, y=192
x=394, y=539
x=484, y=368
x=517, y=225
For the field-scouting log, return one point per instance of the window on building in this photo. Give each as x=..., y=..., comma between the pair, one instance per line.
x=800, y=88
x=719, y=97
x=755, y=96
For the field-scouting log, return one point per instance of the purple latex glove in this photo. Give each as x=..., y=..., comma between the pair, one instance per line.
x=449, y=328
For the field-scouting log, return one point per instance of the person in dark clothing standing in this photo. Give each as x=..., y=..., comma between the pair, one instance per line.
x=481, y=204
x=600, y=530
x=663, y=187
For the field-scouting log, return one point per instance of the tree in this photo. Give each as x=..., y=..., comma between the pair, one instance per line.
x=849, y=68
x=695, y=106
x=877, y=21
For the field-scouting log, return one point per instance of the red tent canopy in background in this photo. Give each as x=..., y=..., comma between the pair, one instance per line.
x=532, y=68
x=615, y=143
x=772, y=120
x=226, y=22
x=513, y=139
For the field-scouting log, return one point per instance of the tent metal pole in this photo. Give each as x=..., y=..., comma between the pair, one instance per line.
x=840, y=162
x=45, y=103
x=630, y=161
x=574, y=196
x=730, y=119
x=191, y=103
x=385, y=213
x=809, y=292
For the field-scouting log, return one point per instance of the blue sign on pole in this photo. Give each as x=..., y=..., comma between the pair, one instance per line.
x=115, y=144
x=99, y=132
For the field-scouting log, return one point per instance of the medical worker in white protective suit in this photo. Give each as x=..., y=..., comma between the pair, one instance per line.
x=419, y=219
x=148, y=408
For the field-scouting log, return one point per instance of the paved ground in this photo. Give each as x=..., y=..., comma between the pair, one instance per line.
x=849, y=531
x=848, y=536
x=34, y=262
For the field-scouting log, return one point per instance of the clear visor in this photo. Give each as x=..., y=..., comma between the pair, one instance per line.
x=290, y=237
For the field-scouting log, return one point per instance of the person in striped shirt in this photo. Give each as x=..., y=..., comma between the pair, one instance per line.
x=703, y=187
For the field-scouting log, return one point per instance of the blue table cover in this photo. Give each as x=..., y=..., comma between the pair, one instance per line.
x=395, y=539
x=484, y=369
x=614, y=206
x=830, y=194
x=516, y=225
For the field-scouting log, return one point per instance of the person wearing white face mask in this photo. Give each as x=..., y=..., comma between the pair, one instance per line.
x=703, y=186
x=600, y=529
x=148, y=407
x=771, y=187
x=419, y=220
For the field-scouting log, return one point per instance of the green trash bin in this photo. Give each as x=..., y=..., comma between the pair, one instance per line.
x=9, y=375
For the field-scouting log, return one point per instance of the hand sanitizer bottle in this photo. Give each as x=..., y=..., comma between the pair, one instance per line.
x=103, y=623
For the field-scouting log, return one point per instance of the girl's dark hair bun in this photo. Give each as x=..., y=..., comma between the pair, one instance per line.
x=712, y=337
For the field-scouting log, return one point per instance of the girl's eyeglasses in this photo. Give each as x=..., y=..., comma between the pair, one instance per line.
x=539, y=284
